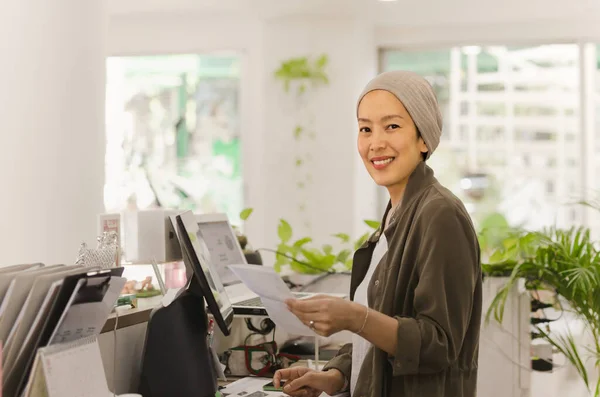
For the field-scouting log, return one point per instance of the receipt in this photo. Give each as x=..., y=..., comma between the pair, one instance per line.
x=273, y=292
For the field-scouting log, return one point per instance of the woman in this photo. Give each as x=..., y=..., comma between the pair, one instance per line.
x=415, y=307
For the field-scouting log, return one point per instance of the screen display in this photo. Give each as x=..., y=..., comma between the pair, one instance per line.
x=223, y=248
x=208, y=268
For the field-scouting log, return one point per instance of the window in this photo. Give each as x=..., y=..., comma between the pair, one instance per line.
x=512, y=114
x=173, y=133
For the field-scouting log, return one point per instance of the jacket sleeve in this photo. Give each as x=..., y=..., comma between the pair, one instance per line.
x=449, y=269
x=342, y=362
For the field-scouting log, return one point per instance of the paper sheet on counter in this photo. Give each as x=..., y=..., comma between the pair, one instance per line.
x=273, y=292
x=245, y=386
x=252, y=387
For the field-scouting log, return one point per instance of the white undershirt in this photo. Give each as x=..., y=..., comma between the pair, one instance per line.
x=361, y=346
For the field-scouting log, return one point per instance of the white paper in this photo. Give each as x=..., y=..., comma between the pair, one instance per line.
x=263, y=281
x=246, y=385
x=87, y=319
x=80, y=282
x=74, y=369
x=273, y=293
x=283, y=318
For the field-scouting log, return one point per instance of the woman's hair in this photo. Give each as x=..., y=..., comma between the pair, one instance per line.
x=418, y=97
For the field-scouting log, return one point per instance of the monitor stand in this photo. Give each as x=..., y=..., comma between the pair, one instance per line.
x=176, y=361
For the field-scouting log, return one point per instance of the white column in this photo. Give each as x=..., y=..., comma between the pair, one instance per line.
x=51, y=128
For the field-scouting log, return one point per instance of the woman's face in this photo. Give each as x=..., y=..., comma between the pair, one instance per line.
x=387, y=140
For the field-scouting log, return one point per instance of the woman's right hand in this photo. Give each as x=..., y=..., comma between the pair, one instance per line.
x=304, y=382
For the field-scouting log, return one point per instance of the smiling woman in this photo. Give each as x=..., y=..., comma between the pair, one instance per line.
x=388, y=142
x=416, y=295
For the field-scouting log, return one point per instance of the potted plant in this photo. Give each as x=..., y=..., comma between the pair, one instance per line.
x=303, y=256
x=565, y=263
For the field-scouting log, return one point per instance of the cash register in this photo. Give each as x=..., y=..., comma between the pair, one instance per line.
x=177, y=360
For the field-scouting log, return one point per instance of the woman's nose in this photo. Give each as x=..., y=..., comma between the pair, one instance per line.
x=377, y=142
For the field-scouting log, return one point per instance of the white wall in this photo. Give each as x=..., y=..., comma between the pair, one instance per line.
x=51, y=128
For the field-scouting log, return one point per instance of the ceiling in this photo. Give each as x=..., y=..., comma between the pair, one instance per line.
x=264, y=8
x=394, y=13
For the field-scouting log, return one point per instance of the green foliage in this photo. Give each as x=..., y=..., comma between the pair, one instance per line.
x=298, y=132
x=304, y=70
x=284, y=231
x=303, y=258
x=245, y=214
x=493, y=231
x=566, y=262
x=343, y=236
x=373, y=224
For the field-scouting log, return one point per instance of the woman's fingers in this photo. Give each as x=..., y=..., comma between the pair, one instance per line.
x=298, y=393
x=301, y=382
x=310, y=381
x=307, y=317
x=298, y=384
x=288, y=374
x=283, y=374
x=279, y=375
x=313, y=305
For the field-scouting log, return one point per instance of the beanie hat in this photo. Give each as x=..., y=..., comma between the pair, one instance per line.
x=418, y=97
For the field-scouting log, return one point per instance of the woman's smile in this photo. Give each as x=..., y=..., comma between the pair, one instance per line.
x=381, y=162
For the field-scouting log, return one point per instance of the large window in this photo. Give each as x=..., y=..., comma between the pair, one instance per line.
x=514, y=134
x=173, y=133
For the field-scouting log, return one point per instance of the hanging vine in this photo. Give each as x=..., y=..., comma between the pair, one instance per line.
x=301, y=77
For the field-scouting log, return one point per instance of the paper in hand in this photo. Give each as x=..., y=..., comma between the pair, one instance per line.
x=273, y=292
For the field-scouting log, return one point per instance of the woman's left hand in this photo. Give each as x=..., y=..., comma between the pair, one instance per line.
x=327, y=315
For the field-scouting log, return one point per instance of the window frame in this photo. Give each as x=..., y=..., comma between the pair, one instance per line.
x=588, y=100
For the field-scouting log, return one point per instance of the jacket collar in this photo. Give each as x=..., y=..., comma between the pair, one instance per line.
x=421, y=178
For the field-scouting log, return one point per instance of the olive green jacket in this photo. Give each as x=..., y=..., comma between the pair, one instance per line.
x=430, y=281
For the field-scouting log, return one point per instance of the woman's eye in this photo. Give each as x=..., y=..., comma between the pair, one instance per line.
x=365, y=129
x=393, y=126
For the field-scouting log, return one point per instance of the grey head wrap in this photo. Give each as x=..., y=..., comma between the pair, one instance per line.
x=418, y=97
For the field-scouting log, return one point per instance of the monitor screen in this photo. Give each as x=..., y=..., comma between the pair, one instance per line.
x=223, y=247
x=199, y=256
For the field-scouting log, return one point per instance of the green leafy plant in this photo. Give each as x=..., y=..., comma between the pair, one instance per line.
x=304, y=257
x=245, y=214
x=304, y=70
x=564, y=262
x=494, y=229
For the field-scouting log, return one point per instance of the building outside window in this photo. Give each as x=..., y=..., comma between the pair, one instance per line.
x=173, y=133
x=517, y=128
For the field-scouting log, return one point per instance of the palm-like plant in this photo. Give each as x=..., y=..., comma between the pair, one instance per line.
x=566, y=262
